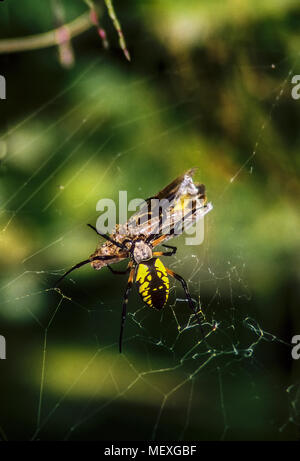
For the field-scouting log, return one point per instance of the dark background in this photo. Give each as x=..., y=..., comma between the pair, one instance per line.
x=208, y=85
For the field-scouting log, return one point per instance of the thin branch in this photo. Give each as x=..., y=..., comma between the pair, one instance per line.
x=117, y=25
x=95, y=21
x=34, y=42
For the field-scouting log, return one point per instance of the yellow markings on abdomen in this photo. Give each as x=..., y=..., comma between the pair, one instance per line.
x=153, y=283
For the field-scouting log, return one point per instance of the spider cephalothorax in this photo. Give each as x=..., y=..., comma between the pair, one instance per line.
x=141, y=251
x=136, y=241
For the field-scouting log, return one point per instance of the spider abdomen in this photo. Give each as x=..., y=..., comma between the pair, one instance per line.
x=153, y=283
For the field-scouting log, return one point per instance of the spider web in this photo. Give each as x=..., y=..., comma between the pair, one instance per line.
x=77, y=385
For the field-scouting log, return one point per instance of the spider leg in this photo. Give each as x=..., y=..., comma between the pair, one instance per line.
x=156, y=239
x=189, y=298
x=166, y=253
x=82, y=263
x=124, y=308
x=107, y=237
x=152, y=237
x=170, y=246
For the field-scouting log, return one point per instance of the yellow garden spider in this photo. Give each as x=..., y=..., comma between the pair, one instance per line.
x=138, y=237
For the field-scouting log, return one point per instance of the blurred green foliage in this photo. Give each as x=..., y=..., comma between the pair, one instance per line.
x=209, y=85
